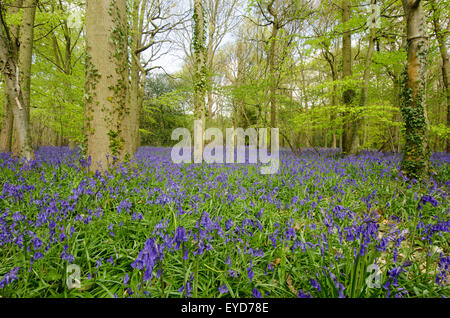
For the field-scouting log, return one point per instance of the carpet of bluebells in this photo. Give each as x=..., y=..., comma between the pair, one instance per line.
x=324, y=226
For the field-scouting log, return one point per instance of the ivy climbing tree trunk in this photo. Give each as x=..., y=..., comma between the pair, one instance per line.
x=349, y=93
x=199, y=48
x=107, y=82
x=416, y=153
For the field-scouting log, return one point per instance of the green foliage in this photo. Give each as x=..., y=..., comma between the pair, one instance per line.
x=58, y=78
x=165, y=107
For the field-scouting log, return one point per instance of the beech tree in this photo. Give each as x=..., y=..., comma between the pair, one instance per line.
x=107, y=85
x=16, y=43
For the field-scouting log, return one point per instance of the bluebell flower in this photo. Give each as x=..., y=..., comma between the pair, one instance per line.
x=250, y=274
x=10, y=277
x=315, y=284
x=302, y=294
x=223, y=289
x=256, y=293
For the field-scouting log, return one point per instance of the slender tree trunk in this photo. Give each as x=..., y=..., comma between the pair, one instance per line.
x=349, y=93
x=200, y=79
x=441, y=37
x=273, y=66
x=416, y=153
x=330, y=59
x=397, y=117
x=304, y=136
x=364, y=91
x=210, y=60
x=333, y=117
x=138, y=75
x=106, y=121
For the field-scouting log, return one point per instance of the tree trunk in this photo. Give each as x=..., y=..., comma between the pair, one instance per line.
x=26, y=51
x=349, y=93
x=6, y=136
x=331, y=62
x=10, y=63
x=273, y=67
x=107, y=89
x=364, y=91
x=416, y=154
x=7, y=126
x=397, y=116
x=199, y=78
x=440, y=36
x=25, y=59
x=138, y=75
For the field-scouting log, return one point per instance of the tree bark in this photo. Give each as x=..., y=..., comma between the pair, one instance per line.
x=416, y=153
x=26, y=35
x=200, y=79
x=138, y=76
x=26, y=50
x=10, y=62
x=7, y=126
x=107, y=87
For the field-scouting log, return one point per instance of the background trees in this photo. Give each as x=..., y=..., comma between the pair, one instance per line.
x=316, y=69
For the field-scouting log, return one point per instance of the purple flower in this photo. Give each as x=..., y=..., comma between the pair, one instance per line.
x=233, y=273
x=110, y=261
x=256, y=293
x=65, y=255
x=315, y=284
x=180, y=236
x=302, y=294
x=250, y=274
x=147, y=258
x=9, y=277
x=223, y=289
x=189, y=286
x=126, y=279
